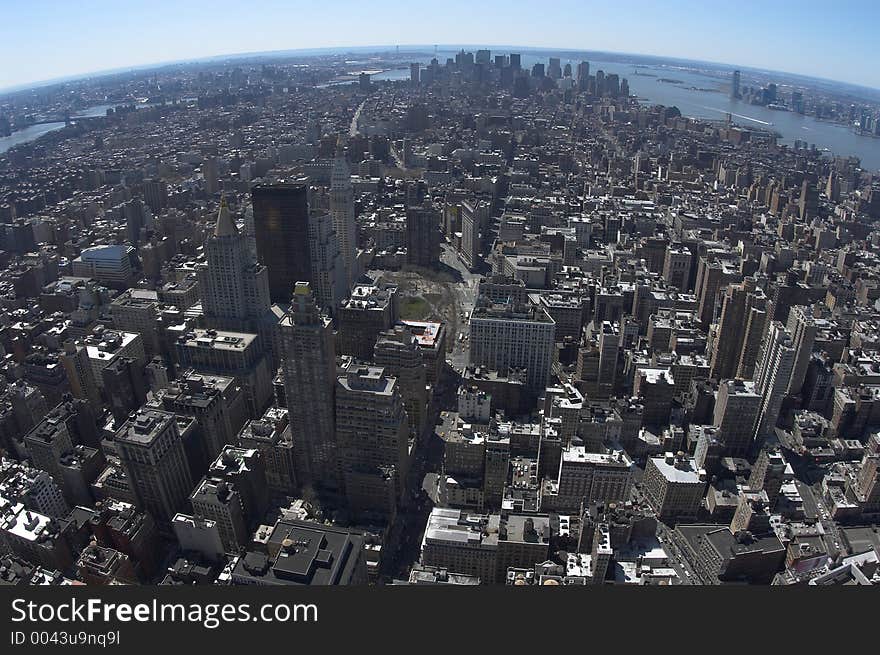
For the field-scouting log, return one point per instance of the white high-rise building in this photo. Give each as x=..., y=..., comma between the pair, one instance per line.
x=773, y=374
x=234, y=286
x=342, y=211
x=504, y=337
x=803, y=329
x=329, y=282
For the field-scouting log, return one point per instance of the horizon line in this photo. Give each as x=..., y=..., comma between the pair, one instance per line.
x=386, y=48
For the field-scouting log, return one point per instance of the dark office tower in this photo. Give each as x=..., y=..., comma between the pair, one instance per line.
x=566, y=72
x=515, y=61
x=414, y=73
x=125, y=385
x=153, y=456
x=521, y=86
x=209, y=175
x=734, y=85
x=583, y=74
x=808, y=204
x=600, y=82
x=309, y=366
x=134, y=220
x=554, y=70
x=156, y=195
x=538, y=70
x=506, y=78
x=422, y=236
x=612, y=84
x=281, y=230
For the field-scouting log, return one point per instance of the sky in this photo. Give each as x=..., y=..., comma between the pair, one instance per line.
x=47, y=39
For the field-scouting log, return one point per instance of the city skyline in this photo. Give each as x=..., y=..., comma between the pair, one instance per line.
x=657, y=32
x=484, y=318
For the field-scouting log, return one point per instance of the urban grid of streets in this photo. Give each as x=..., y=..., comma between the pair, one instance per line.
x=239, y=338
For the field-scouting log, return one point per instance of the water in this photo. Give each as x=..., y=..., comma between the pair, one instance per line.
x=27, y=134
x=709, y=98
x=93, y=112
x=700, y=103
x=36, y=131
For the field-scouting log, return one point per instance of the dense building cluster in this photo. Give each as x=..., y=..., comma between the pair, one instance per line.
x=485, y=325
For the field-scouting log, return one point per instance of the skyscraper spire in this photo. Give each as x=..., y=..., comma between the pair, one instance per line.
x=225, y=225
x=309, y=368
x=234, y=287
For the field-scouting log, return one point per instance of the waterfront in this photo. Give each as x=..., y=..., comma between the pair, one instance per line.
x=33, y=132
x=693, y=98
x=696, y=94
x=27, y=134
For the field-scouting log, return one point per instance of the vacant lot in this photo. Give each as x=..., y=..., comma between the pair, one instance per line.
x=426, y=295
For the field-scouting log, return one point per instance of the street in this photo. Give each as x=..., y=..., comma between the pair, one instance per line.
x=404, y=546
x=465, y=294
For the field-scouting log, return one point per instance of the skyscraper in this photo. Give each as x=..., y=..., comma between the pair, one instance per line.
x=736, y=414
x=328, y=272
x=583, y=74
x=235, y=288
x=754, y=323
x=209, y=175
x=730, y=335
x=309, y=367
x=371, y=431
x=773, y=375
x=803, y=330
x=398, y=351
x=153, y=456
x=734, y=85
x=422, y=236
x=342, y=211
x=503, y=337
x=281, y=232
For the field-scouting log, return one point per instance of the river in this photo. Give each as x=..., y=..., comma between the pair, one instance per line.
x=36, y=131
x=27, y=134
x=693, y=96
x=699, y=102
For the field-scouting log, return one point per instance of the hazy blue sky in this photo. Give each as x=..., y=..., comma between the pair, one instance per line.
x=44, y=39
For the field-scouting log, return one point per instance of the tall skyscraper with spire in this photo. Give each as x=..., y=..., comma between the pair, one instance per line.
x=342, y=211
x=309, y=366
x=235, y=288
